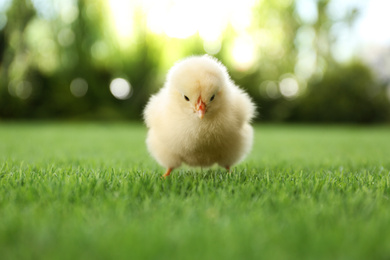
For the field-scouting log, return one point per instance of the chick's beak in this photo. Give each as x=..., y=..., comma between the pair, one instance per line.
x=200, y=108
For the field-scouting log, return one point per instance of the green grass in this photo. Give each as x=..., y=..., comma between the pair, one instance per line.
x=91, y=191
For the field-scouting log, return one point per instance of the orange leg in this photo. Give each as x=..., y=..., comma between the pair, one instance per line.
x=169, y=170
x=227, y=168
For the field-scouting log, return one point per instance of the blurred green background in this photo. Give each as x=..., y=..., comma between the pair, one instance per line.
x=301, y=61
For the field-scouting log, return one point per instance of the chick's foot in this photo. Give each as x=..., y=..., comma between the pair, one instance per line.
x=168, y=172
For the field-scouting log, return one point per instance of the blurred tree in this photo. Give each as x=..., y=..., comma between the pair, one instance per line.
x=58, y=59
x=347, y=93
x=15, y=61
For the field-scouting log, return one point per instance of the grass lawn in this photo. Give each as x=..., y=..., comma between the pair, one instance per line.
x=91, y=191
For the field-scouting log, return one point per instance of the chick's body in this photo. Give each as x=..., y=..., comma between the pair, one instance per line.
x=199, y=117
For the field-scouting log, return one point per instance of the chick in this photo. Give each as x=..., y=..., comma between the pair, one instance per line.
x=199, y=117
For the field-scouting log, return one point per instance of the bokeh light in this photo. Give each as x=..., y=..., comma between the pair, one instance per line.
x=289, y=87
x=65, y=37
x=120, y=88
x=79, y=87
x=212, y=47
x=100, y=50
x=269, y=89
x=22, y=89
x=307, y=10
x=69, y=11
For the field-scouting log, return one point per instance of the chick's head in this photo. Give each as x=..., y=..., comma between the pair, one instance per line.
x=198, y=85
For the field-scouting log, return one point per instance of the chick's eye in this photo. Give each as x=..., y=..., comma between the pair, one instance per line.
x=212, y=98
x=186, y=98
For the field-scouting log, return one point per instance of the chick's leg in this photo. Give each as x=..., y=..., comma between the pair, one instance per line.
x=169, y=170
x=227, y=168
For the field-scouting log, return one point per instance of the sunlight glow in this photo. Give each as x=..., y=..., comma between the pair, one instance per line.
x=180, y=21
x=122, y=15
x=183, y=18
x=244, y=52
x=154, y=19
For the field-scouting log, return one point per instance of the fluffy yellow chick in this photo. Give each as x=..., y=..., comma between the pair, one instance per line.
x=200, y=117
